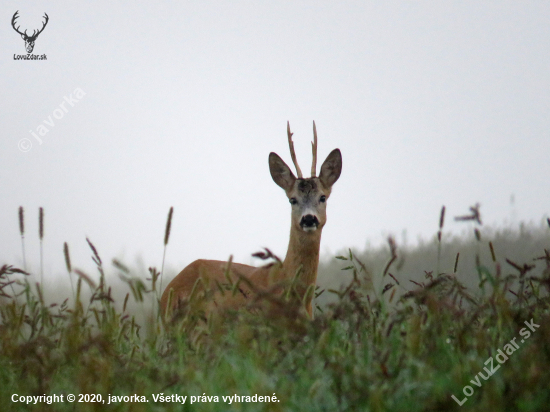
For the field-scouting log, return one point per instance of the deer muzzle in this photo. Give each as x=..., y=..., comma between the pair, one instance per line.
x=309, y=222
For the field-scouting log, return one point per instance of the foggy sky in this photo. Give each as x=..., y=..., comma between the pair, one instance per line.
x=432, y=103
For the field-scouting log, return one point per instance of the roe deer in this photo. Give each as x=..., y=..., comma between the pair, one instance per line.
x=308, y=198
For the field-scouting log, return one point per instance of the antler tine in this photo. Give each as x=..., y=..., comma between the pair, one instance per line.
x=314, y=152
x=15, y=17
x=45, y=23
x=292, y=153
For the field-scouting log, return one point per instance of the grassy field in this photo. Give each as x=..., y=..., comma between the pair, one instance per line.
x=419, y=329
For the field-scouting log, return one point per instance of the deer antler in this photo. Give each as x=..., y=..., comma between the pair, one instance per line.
x=314, y=151
x=292, y=153
x=15, y=16
x=34, y=33
x=43, y=26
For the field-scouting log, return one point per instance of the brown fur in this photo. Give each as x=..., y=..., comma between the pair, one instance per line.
x=302, y=253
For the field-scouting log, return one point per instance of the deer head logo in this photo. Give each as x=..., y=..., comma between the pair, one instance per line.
x=29, y=40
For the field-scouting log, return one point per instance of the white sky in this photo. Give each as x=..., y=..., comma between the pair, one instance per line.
x=432, y=103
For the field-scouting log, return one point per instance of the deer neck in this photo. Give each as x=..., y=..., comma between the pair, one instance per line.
x=303, y=252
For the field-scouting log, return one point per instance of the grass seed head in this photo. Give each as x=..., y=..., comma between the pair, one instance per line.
x=41, y=223
x=21, y=221
x=67, y=257
x=168, y=226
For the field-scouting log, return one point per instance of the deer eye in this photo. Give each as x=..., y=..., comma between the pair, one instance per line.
x=323, y=199
x=293, y=201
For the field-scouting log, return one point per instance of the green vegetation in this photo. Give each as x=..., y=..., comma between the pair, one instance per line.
x=409, y=343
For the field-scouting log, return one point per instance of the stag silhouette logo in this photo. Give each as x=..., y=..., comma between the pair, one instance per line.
x=29, y=40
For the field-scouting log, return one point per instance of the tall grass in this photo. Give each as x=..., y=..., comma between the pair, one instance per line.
x=41, y=237
x=22, y=234
x=166, y=238
x=68, y=264
x=400, y=343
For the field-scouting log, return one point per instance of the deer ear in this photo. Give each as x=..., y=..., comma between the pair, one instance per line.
x=331, y=169
x=280, y=172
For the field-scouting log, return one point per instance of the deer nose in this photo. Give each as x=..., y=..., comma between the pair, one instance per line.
x=309, y=221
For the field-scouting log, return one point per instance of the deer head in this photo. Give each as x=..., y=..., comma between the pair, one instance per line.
x=307, y=196
x=29, y=40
